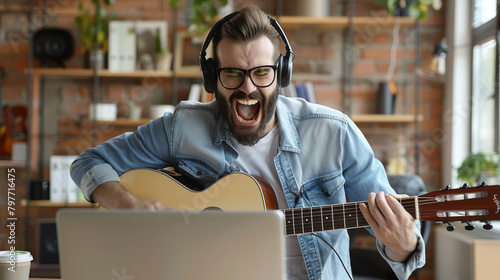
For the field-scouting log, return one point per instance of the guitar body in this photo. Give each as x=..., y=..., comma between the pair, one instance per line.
x=236, y=191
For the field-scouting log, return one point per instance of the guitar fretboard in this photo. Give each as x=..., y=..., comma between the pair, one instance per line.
x=331, y=217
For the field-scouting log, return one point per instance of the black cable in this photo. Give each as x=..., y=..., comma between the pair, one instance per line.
x=297, y=198
x=327, y=243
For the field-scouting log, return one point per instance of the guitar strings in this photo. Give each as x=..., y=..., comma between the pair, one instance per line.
x=349, y=206
x=316, y=213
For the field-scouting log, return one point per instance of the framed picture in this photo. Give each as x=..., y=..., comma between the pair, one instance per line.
x=187, y=52
x=146, y=33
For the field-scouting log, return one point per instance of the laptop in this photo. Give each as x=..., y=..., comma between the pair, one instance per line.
x=145, y=245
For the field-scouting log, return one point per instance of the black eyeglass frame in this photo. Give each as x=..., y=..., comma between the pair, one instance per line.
x=245, y=73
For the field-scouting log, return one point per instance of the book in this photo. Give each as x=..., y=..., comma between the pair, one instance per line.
x=62, y=187
x=310, y=92
x=195, y=92
x=122, y=46
x=301, y=91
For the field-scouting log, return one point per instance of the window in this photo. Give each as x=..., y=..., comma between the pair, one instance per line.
x=485, y=127
x=484, y=11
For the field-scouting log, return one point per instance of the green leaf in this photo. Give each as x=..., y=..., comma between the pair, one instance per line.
x=391, y=6
x=202, y=28
x=173, y=3
x=414, y=11
x=425, y=2
x=102, y=13
x=212, y=12
x=423, y=14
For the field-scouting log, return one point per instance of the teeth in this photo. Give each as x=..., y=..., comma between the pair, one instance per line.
x=247, y=102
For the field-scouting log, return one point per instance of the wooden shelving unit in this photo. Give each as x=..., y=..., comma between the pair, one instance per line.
x=379, y=118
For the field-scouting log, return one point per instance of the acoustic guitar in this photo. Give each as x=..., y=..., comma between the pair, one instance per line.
x=240, y=191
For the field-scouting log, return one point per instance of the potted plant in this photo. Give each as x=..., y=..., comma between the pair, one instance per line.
x=203, y=12
x=476, y=168
x=87, y=22
x=163, y=56
x=417, y=9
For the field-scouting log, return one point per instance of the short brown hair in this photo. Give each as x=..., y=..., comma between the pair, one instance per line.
x=249, y=24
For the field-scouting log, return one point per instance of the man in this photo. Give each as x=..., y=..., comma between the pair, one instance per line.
x=310, y=154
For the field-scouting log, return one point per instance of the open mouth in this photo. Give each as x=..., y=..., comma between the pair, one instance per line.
x=247, y=110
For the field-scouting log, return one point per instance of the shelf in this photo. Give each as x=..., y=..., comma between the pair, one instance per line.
x=379, y=118
x=383, y=21
x=10, y=163
x=296, y=22
x=87, y=73
x=14, y=9
x=48, y=203
x=126, y=122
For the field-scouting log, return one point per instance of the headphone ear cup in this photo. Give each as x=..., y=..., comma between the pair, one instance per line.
x=286, y=70
x=209, y=74
x=280, y=71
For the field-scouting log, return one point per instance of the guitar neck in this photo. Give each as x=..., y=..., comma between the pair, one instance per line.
x=332, y=217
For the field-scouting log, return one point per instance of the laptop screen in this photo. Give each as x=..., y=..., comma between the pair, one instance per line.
x=129, y=244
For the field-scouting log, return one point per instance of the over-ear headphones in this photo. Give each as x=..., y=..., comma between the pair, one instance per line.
x=209, y=67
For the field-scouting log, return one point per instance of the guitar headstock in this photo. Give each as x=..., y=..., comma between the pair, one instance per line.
x=465, y=204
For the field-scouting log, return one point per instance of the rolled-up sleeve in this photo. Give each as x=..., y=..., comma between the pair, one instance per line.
x=96, y=176
x=416, y=260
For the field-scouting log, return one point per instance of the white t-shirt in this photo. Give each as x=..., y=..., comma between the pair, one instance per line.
x=258, y=160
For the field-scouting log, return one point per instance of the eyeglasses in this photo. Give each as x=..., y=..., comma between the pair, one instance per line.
x=233, y=78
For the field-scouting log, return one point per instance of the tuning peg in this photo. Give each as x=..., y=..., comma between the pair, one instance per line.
x=487, y=225
x=446, y=188
x=450, y=226
x=483, y=184
x=464, y=186
x=469, y=227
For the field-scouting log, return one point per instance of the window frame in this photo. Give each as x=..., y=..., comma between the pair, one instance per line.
x=481, y=34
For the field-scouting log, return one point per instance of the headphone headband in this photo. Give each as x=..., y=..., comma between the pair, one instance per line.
x=209, y=67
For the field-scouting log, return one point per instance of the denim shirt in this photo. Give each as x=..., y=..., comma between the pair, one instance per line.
x=322, y=159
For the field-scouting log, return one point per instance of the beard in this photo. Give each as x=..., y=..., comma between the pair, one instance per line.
x=248, y=136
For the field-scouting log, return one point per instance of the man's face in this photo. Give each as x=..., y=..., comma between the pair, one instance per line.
x=249, y=110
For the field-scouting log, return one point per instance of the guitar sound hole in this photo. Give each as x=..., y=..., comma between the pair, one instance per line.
x=212, y=208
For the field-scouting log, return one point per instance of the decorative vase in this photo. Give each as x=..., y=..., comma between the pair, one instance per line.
x=163, y=61
x=312, y=8
x=93, y=58
x=386, y=99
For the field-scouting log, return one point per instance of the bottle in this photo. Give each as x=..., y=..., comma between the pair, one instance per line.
x=397, y=161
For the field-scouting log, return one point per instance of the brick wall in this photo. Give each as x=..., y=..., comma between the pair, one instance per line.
x=318, y=58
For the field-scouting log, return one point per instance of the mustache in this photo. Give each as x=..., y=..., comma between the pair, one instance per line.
x=241, y=95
